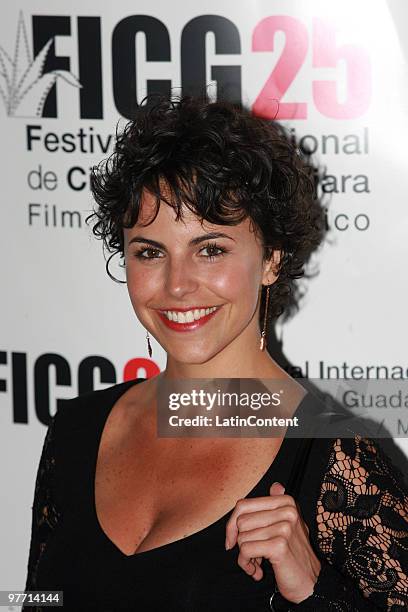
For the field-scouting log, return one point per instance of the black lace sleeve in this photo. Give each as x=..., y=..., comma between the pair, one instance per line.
x=362, y=520
x=45, y=514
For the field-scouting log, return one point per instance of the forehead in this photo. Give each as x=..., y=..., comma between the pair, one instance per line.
x=189, y=223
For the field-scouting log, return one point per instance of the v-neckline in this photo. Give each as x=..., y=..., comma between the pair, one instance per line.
x=163, y=547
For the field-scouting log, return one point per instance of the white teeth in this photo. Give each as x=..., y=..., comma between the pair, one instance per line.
x=189, y=316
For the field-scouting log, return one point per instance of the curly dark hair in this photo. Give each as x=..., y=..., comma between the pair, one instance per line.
x=223, y=163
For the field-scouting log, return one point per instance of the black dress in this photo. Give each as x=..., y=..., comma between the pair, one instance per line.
x=358, y=529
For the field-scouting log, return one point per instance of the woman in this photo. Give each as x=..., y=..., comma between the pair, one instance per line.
x=215, y=214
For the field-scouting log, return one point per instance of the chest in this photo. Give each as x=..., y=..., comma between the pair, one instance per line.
x=149, y=493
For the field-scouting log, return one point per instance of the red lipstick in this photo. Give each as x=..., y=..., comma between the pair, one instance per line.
x=186, y=326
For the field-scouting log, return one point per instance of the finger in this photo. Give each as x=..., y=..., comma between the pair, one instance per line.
x=257, y=571
x=277, y=489
x=275, y=549
x=246, y=505
x=283, y=529
x=253, y=567
x=263, y=518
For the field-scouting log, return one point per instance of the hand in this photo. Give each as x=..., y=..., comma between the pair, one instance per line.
x=272, y=527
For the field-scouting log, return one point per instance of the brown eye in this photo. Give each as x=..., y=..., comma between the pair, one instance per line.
x=140, y=254
x=212, y=247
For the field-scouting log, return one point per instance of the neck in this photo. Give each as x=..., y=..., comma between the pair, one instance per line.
x=242, y=358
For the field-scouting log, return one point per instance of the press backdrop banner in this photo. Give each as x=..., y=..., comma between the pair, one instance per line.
x=334, y=72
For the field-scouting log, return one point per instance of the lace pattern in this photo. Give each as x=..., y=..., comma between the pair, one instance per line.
x=45, y=514
x=362, y=519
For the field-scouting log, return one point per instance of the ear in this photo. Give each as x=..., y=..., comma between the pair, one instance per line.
x=271, y=267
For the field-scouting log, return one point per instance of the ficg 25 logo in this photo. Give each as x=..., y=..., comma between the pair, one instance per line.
x=31, y=74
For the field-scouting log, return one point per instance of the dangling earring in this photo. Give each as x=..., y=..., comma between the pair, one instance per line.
x=149, y=347
x=263, y=334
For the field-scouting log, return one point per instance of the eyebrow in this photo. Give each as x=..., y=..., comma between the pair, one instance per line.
x=192, y=242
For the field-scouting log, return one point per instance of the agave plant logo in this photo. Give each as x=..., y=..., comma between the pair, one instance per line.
x=23, y=86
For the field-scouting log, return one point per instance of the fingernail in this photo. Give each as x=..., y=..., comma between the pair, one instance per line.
x=227, y=546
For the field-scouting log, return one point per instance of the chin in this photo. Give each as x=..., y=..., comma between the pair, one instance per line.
x=194, y=357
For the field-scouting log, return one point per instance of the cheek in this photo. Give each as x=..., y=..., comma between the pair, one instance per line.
x=141, y=287
x=240, y=280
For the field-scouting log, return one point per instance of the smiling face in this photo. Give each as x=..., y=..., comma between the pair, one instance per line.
x=175, y=267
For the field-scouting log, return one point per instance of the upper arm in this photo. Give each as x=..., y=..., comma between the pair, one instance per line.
x=362, y=520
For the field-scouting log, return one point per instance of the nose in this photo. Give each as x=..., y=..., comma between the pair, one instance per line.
x=181, y=277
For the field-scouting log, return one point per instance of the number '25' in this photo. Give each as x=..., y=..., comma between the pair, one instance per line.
x=325, y=54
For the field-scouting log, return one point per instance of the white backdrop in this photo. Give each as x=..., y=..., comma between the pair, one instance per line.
x=339, y=70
